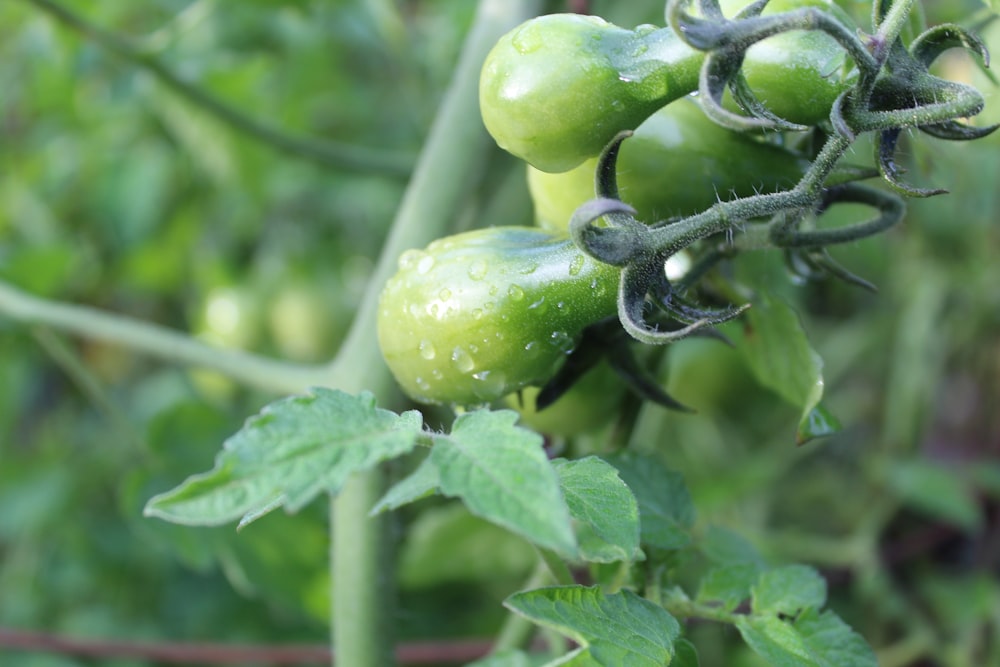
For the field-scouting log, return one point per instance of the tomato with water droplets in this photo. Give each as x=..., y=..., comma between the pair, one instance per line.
x=479, y=315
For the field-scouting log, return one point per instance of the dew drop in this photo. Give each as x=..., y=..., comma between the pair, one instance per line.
x=528, y=269
x=437, y=374
x=425, y=264
x=515, y=293
x=492, y=383
x=423, y=384
x=527, y=40
x=444, y=294
x=576, y=265
x=462, y=360
x=427, y=350
x=410, y=257
x=538, y=306
x=477, y=270
x=562, y=341
x=477, y=314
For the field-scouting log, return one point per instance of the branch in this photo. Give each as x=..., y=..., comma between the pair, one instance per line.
x=326, y=153
x=167, y=344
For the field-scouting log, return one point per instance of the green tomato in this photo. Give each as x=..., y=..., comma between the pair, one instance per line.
x=480, y=315
x=797, y=75
x=556, y=89
x=677, y=163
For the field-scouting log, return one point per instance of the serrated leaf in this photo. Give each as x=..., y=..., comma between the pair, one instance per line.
x=604, y=508
x=813, y=640
x=788, y=590
x=728, y=585
x=781, y=358
x=501, y=473
x=665, y=509
x=617, y=629
x=937, y=491
x=420, y=483
x=295, y=449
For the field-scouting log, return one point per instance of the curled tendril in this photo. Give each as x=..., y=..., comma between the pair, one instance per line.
x=786, y=232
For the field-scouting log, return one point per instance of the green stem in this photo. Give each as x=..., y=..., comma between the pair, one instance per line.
x=557, y=567
x=172, y=346
x=326, y=153
x=447, y=170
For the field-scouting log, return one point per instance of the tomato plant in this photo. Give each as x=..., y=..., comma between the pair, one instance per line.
x=731, y=217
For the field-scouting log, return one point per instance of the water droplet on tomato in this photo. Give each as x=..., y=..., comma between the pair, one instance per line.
x=477, y=270
x=425, y=264
x=576, y=265
x=515, y=293
x=427, y=350
x=444, y=294
x=462, y=360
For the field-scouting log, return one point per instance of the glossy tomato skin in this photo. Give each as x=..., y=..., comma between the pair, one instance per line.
x=557, y=88
x=677, y=163
x=797, y=75
x=479, y=315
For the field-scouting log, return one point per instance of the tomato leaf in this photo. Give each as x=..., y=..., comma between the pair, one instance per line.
x=617, y=629
x=420, y=483
x=728, y=584
x=502, y=474
x=665, y=509
x=295, y=449
x=813, y=640
x=605, y=511
x=685, y=654
x=781, y=358
x=788, y=590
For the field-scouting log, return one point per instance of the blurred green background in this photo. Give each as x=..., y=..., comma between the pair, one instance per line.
x=118, y=193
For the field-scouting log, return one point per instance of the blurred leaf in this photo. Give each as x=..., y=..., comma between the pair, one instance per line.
x=727, y=547
x=604, y=508
x=447, y=545
x=293, y=450
x=788, y=590
x=778, y=352
x=618, y=629
x=665, y=510
x=502, y=474
x=937, y=491
x=812, y=640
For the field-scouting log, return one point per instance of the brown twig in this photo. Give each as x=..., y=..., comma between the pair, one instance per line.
x=422, y=653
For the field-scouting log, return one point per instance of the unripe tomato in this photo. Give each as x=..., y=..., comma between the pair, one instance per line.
x=678, y=162
x=799, y=74
x=557, y=88
x=480, y=315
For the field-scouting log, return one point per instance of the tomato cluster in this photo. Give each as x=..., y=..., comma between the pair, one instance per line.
x=488, y=313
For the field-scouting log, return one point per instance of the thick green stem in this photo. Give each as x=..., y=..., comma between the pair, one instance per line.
x=447, y=170
x=326, y=153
